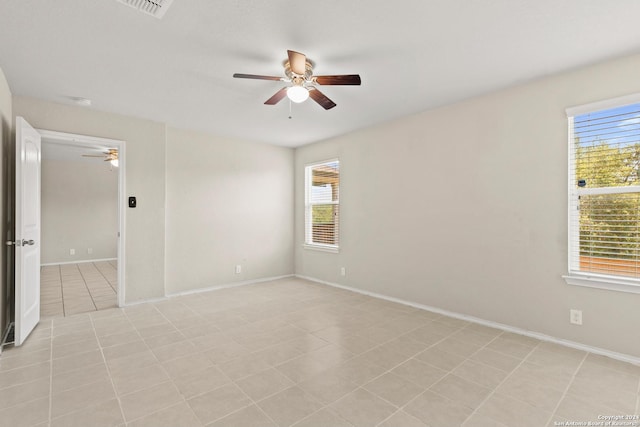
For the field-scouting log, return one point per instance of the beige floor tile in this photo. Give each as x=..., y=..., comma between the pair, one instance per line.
x=218, y=403
x=611, y=395
x=77, y=361
x=457, y=347
x=362, y=408
x=406, y=346
x=118, y=338
x=419, y=373
x=174, y=351
x=24, y=375
x=554, y=354
x=71, y=349
x=327, y=387
x=163, y=340
x=473, y=337
x=144, y=402
x=480, y=373
x=510, y=347
x=394, y=389
x=534, y=393
x=194, y=384
x=280, y=353
x=435, y=410
x=79, y=377
x=264, y=384
x=512, y=412
x=140, y=379
x=554, y=376
x=187, y=365
x=302, y=367
x=324, y=418
x=358, y=370
x=440, y=359
x=26, y=414
x=243, y=366
x=179, y=415
x=477, y=420
x=124, y=350
x=251, y=416
x=80, y=397
x=17, y=394
x=73, y=336
x=132, y=362
x=106, y=414
x=497, y=360
x=289, y=406
x=461, y=391
x=610, y=363
x=159, y=329
x=158, y=355
x=402, y=419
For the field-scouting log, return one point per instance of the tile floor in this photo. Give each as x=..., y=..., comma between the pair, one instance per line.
x=69, y=289
x=294, y=353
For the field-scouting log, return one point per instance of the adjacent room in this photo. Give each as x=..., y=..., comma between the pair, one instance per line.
x=79, y=215
x=349, y=214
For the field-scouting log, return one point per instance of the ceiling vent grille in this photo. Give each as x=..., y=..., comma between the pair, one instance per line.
x=155, y=8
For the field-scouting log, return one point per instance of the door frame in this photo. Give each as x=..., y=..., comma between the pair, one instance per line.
x=55, y=137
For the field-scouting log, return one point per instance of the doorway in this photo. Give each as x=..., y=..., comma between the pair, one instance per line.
x=81, y=270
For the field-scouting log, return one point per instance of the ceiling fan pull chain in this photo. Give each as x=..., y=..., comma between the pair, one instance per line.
x=290, y=109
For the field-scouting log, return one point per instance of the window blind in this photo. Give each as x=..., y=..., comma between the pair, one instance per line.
x=322, y=206
x=604, y=221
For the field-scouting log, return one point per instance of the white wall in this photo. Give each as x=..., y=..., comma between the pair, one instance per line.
x=208, y=202
x=145, y=179
x=229, y=203
x=464, y=208
x=6, y=183
x=79, y=210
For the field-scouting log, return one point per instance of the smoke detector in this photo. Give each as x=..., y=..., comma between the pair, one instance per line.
x=156, y=8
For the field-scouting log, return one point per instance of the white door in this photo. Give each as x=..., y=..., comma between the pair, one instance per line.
x=27, y=259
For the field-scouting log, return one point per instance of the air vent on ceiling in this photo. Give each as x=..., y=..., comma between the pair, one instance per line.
x=155, y=8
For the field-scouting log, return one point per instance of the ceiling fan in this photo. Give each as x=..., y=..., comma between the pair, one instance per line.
x=111, y=155
x=299, y=72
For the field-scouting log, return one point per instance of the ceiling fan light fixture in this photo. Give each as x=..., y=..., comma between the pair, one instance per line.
x=298, y=93
x=114, y=162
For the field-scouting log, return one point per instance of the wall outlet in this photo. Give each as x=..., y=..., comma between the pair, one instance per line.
x=575, y=317
x=72, y=251
x=238, y=269
x=89, y=250
x=343, y=271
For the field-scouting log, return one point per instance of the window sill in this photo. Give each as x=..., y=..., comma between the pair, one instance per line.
x=603, y=282
x=322, y=248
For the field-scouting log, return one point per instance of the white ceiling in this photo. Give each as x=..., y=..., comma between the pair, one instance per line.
x=412, y=55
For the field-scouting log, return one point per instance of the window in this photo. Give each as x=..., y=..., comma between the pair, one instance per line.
x=604, y=193
x=322, y=205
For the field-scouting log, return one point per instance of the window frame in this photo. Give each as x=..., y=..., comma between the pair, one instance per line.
x=575, y=276
x=308, y=204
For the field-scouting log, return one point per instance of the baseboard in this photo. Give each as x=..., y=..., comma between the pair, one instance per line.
x=207, y=289
x=78, y=262
x=572, y=344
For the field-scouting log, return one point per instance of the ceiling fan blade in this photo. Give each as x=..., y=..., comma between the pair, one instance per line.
x=277, y=97
x=345, y=79
x=297, y=62
x=93, y=155
x=321, y=99
x=257, y=77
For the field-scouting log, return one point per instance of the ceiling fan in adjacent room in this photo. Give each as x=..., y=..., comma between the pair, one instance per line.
x=299, y=72
x=111, y=155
